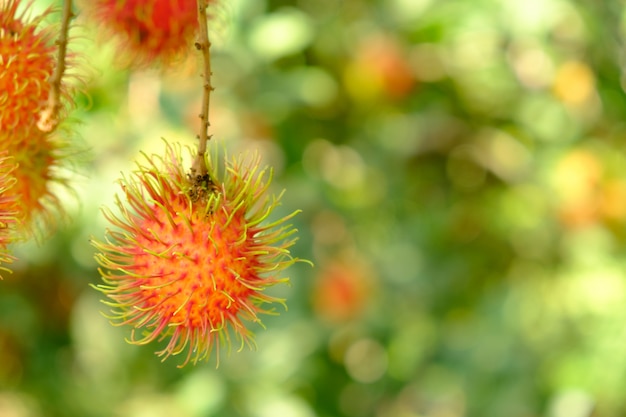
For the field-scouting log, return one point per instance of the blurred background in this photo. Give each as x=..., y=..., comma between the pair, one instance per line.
x=461, y=174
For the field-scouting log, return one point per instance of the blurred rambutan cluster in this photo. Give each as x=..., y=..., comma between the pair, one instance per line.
x=192, y=249
x=31, y=154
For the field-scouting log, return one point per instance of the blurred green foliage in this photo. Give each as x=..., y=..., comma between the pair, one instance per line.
x=460, y=167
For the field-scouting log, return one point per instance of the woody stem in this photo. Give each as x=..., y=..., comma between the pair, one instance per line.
x=49, y=118
x=203, y=44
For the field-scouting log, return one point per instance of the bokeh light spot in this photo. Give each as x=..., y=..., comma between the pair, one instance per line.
x=281, y=33
x=366, y=360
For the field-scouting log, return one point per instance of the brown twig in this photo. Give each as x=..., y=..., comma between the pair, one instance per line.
x=49, y=117
x=203, y=44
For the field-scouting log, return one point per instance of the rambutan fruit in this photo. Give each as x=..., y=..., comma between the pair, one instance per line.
x=147, y=31
x=27, y=61
x=39, y=157
x=8, y=209
x=189, y=258
x=343, y=290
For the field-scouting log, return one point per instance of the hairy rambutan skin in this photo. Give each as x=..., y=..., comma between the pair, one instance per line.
x=148, y=32
x=27, y=62
x=8, y=209
x=28, y=58
x=44, y=162
x=189, y=258
x=39, y=156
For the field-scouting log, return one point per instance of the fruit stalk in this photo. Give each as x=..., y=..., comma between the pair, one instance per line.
x=203, y=44
x=49, y=118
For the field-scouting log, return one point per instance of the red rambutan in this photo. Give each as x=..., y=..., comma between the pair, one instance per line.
x=189, y=259
x=38, y=155
x=343, y=290
x=8, y=208
x=27, y=62
x=148, y=31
